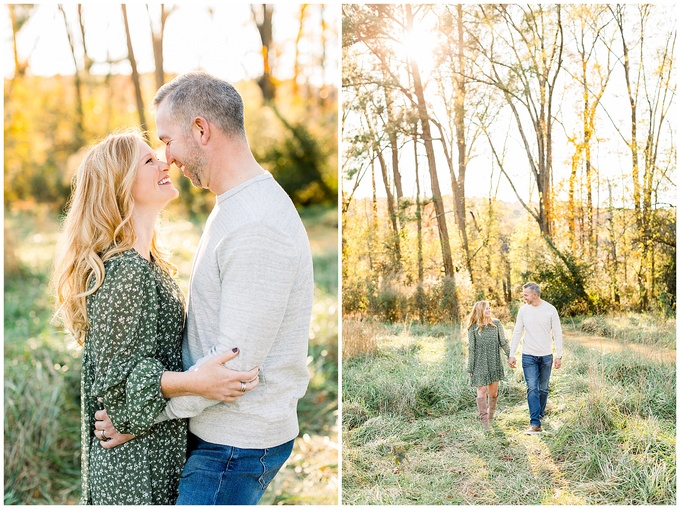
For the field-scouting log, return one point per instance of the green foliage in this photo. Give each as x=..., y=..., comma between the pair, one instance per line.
x=562, y=284
x=298, y=162
x=44, y=140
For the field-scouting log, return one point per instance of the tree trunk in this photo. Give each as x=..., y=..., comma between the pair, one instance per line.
x=420, y=301
x=264, y=27
x=391, y=208
x=431, y=161
x=157, y=33
x=432, y=164
x=458, y=184
x=79, y=125
x=296, y=62
x=135, y=74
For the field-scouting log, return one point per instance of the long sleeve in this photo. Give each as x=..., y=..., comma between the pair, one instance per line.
x=501, y=338
x=471, y=350
x=557, y=332
x=123, y=321
x=517, y=332
x=257, y=266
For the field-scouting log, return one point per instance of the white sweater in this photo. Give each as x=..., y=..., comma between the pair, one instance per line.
x=540, y=325
x=251, y=287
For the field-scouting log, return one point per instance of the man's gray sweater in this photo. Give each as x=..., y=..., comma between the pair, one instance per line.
x=251, y=287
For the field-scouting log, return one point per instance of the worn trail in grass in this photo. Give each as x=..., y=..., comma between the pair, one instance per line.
x=602, y=444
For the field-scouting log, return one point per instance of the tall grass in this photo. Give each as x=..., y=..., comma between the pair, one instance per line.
x=42, y=372
x=411, y=435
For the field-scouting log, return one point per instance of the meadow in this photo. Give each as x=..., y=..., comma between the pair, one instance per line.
x=42, y=367
x=411, y=434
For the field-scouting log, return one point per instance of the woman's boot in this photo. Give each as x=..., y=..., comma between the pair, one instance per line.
x=492, y=407
x=483, y=411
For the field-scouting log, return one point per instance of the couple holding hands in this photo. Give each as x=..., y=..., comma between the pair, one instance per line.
x=537, y=325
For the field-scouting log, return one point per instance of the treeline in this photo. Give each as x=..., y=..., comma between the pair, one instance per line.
x=508, y=250
x=509, y=88
x=42, y=151
x=291, y=123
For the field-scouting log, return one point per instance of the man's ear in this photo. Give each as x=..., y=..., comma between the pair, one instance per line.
x=201, y=130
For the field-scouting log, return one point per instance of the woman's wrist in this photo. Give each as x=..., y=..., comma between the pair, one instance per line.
x=177, y=383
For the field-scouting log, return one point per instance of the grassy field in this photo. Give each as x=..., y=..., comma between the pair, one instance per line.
x=411, y=434
x=42, y=370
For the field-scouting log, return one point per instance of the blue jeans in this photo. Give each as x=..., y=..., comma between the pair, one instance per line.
x=537, y=370
x=217, y=474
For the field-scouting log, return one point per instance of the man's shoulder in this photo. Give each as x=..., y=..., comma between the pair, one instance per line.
x=549, y=306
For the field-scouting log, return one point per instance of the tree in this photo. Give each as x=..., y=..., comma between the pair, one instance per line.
x=523, y=59
x=157, y=33
x=135, y=73
x=263, y=21
x=654, y=91
x=79, y=124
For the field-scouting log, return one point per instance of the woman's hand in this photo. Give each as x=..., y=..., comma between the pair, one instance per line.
x=106, y=433
x=212, y=380
x=216, y=381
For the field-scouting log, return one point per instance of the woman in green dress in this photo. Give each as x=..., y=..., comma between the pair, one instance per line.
x=117, y=297
x=486, y=337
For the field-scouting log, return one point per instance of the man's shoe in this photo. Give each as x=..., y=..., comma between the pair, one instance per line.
x=533, y=430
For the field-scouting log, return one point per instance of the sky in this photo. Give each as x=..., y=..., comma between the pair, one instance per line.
x=228, y=45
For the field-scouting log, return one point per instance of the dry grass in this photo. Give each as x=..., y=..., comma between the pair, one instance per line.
x=359, y=337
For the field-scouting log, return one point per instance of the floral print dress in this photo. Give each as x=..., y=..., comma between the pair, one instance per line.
x=484, y=354
x=136, y=322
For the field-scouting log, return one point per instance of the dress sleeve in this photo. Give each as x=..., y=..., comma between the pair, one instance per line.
x=127, y=377
x=503, y=341
x=471, y=350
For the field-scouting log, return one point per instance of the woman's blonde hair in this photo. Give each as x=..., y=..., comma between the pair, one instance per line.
x=98, y=226
x=477, y=315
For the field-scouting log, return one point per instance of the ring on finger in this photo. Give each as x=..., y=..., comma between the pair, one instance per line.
x=103, y=437
x=243, y=386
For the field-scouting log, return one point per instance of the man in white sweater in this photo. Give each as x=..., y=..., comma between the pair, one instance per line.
x=251, y=287
x=539, y=324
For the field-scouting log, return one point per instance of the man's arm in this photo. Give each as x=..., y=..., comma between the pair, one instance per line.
x=516, y=337
x=257, y=267
x=557, y=335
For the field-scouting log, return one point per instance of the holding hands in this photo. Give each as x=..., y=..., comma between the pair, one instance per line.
x=512, y=362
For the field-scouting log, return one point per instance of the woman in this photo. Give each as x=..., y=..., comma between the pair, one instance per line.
x=117, y=297
x=486, y=337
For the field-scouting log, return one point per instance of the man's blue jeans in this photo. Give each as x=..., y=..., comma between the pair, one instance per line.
x=537, y=370
x=217, y=474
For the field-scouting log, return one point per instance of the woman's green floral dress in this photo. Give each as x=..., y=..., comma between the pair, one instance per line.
x=484, y=354
x=136, y=321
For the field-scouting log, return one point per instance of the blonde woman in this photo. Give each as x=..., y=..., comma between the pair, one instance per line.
x=117, y=297
x=486, y=337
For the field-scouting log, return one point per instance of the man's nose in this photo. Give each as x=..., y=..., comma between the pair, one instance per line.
x=168, y=157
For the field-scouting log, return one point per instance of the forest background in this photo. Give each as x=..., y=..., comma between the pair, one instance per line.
x=75, y=73
x=488, y=145
x=485, y=146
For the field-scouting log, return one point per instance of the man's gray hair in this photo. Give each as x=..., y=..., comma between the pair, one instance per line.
x=199, y=94
x=532, y=287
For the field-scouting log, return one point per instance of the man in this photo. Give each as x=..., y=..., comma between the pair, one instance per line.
x=251, y=287
x=539, y=322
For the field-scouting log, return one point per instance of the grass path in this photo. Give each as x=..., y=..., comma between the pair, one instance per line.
x=608, y=345
x=601, y=444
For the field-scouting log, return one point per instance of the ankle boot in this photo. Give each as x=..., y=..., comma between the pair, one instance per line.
x=483, y=412
x=492, y=407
